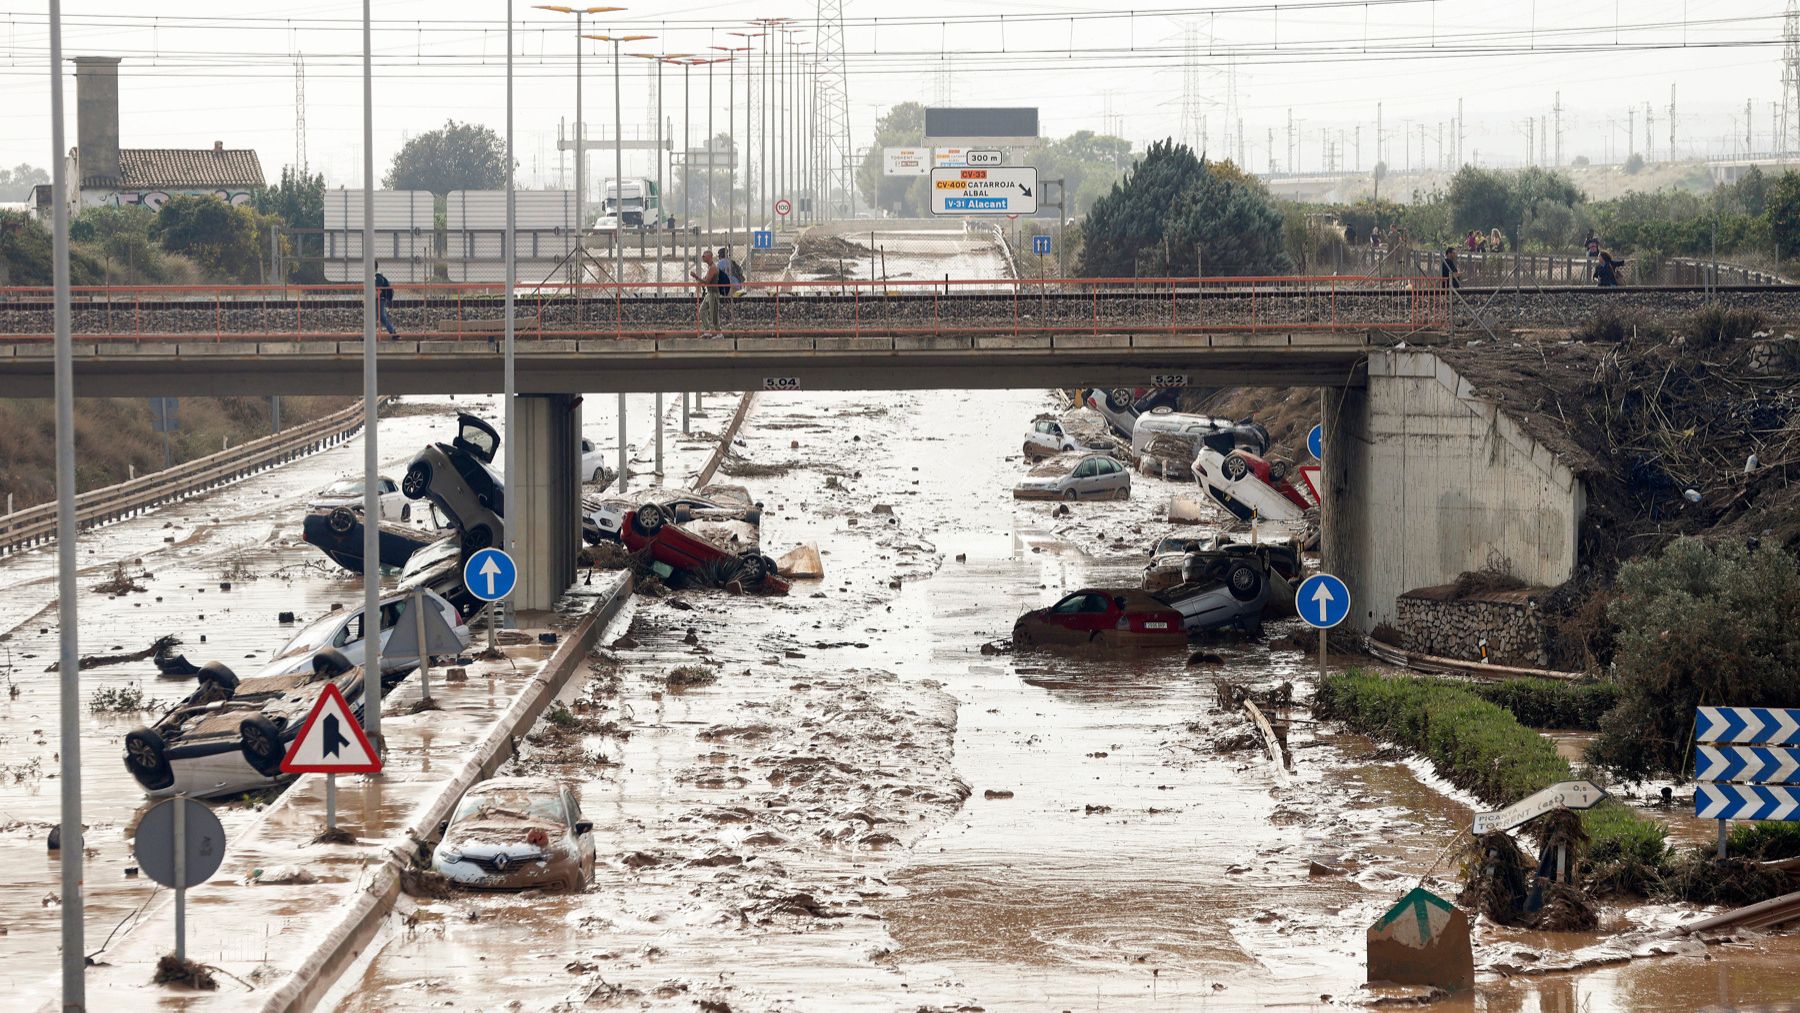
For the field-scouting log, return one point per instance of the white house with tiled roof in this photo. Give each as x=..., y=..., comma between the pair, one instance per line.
x=103, y=174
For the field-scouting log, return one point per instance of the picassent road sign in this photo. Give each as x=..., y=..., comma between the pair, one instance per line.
x=331, y=742
x=991, y=191
x=1322, y=600
x=1563, y=795
x=490, y=574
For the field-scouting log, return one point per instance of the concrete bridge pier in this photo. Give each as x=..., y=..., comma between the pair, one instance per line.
x=1424, y=480
x=544, y=526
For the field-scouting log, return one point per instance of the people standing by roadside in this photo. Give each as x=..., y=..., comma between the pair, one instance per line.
x=1472, y=241
x=1606, y=272
x=708, y=277
x=1448, y=269
x=1496, y=241
x=1375, y=236
x=1350, y=235
x=1593, y=247
x=384, y=295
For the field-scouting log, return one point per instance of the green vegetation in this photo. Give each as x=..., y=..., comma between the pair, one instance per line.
x=299, y=202
x=225, y=240
x=460, y=156
x=1480, y=747
x=1176, y=214
x=1551, y=703
x=1697, y=624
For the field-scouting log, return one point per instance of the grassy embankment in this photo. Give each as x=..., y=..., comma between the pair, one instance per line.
x=113, y=435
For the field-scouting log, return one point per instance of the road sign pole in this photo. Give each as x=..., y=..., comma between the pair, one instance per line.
x=1721, y=840
x=418, y=611
x=181, y=878
x=1321, y=654
x=493, y=621
x=330, y=803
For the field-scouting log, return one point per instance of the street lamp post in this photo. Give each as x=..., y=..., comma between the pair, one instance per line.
x=750, y=175
x=660, y=60
x=731, y=137
x=580, y=142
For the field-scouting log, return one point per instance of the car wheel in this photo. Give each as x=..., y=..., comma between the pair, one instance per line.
x=1244, y=581
x=1071, y=495
x=1278, y=470
x=341, y=520
x=648, y=519
x=417, y=480
x=1118, y=399
x=477, y=538
x=216, y=675
x=754, y=567
x=261, y=742
x=330, y=663
x=1235, y=467
x=148, y=759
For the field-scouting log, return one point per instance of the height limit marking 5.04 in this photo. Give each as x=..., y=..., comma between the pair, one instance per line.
x=997, y=190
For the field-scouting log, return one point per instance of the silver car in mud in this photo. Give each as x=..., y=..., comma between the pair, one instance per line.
x=1095, y=476
x=517, y=833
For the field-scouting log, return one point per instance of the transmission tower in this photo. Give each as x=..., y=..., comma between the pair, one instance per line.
x=300, y=113
x=1790, y=78
x=1193, y=119
x=834, y=105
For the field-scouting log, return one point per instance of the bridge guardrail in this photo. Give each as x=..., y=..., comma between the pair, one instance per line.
x=837, y=307
x=36, y=525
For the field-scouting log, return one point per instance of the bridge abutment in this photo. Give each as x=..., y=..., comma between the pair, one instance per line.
x=1423, y=481
x=544, y=526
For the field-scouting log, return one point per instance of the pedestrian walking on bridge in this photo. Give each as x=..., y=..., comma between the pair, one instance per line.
x=708, y=277
x=384, y=296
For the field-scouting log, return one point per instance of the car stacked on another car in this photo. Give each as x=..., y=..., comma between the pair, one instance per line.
x=1250, y=486
x=338, y=532
x=516, y=833
x=705, y=554
x=1072, y=477
x=1164, y=442
x=347, y=493
x=1120, y=407
x=605, y=518
x=460, y=478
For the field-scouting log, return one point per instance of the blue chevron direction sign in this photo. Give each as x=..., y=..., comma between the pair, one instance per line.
x=1752, y=764
x=1746, y=802
x=1773, y=726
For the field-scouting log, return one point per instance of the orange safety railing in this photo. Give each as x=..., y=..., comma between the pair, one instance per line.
x=840, y=308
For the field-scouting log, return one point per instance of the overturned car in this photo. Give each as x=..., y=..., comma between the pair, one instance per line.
x=338, y=532
x=714, y=553
x=460, y=478
x=1249, y=486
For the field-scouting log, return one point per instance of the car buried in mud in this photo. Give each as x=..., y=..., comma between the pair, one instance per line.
x=604, y=519
x=701, y=554
x=1102, y=617
x=516, y=833
x=1164, y=442
x=338, y=532
x=459, y=477
x=1068, y=477
x=1249, y=486
x=1049, y=436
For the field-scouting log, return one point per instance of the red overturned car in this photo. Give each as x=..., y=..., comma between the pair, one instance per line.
x=1109, y=617
x=698, y=558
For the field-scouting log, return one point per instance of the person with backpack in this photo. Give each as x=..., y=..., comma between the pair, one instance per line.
x=731, y=273
x=384, y=296
x=1606, y=272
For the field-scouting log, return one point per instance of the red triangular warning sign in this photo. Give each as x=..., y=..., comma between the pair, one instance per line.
x=331, y=741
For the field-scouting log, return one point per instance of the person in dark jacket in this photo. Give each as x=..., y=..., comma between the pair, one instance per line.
x=384, y=295
x=1451, y=273
x=1606, y=272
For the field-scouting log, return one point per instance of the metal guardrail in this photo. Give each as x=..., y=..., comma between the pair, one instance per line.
x=834, y=308
x=36, y=525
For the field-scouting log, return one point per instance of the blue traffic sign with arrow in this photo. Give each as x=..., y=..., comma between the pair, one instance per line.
x=1755, y=764
x=1322, y=600
x=762, y=239
x=1315, y=442
x=1040, y=245
x=490, y=574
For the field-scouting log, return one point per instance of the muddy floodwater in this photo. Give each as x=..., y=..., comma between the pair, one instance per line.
x=838, y=800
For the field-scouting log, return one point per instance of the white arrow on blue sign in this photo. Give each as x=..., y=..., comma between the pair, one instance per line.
x=762, y=239
x=1315, y=443
x=1755, y=764
x=1322, y=600
x=490, y=574
x=1040, y=245
x=1746, y=802
x=1770, y=725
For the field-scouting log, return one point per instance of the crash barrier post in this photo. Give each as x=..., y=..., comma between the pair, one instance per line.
x=37, y=525
x=1747, y=760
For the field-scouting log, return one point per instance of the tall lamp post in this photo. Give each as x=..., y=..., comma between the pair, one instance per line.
x=580, y=144
x=730, y=134
x=660, y=58
x=751, y=177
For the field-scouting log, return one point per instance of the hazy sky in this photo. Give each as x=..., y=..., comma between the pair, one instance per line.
x=205, y=70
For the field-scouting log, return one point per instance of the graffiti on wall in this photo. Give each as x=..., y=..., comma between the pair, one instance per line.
x=155, y=199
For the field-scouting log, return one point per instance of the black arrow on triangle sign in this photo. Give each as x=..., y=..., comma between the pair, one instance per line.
x=334, y=736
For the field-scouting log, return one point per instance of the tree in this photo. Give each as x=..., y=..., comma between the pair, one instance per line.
x=1783, y=211
x=718, y=189
x=1176, y=214
x=1485, y=199
x=299, y=202
x=220, y=237
x=1086, y=162
x=16, y=183
x=907, y=196
x=25, y=254
x=461, y=156
x=1699, y=625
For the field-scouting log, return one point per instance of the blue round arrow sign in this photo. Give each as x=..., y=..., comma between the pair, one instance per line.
x=1322, y=600
x=1315, y=442
x=490, y=574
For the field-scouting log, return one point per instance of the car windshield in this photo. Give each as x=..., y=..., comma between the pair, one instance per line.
x=343, y=487
x=314, y=635
x=1082, y=603
x=1168, y=545
x=511, y=803
x=430, y=556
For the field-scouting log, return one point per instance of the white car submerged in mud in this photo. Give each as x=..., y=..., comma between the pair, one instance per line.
x=517, y=833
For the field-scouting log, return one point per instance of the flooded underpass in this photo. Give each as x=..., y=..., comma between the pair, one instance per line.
x=840, y=800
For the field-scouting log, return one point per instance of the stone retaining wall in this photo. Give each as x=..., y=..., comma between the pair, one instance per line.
x=1432, y=622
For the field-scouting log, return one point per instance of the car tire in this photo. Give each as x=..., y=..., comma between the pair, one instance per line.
x=754, y=567
x=598, y=475
x=341, y=520
x=1244, y=581
x=216, y=675
x=261, y=742
x=1235, y=467
x=477, y=538
x=417, y=480
x=1118, y=399
x=329, y=663
x=1070, y=495
x=148, y=759
x=648, y=519
x=1278, y=470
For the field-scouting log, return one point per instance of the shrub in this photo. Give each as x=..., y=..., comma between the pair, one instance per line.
x=1714, y=324
x=1551, y=703
x=1697, y=624
x=1613, y=324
